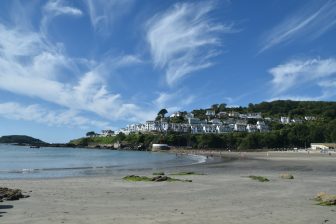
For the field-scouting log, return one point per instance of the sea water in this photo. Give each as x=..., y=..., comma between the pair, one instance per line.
x=23, y=162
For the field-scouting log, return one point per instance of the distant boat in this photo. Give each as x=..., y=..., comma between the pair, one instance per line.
x=34, y=146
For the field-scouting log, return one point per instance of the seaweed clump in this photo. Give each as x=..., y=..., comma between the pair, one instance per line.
x=325, y=199
x=259, y=178
x=159, y=178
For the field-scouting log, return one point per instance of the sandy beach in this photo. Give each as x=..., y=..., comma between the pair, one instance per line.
x=224, y=195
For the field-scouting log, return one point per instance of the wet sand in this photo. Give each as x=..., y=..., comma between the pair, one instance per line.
x=224, y=195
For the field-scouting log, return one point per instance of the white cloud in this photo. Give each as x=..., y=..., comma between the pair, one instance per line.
x=173, y=101
x=104, y=13
x=318, y=74
x=298, y=72
x=36, y=113
x=183, y=39
x=57, y=7
x=310, y=23
x=31, y=67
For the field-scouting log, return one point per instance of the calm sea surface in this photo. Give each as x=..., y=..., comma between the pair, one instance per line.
x=17, y=162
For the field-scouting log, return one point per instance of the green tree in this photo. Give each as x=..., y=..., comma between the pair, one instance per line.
x=90, y=134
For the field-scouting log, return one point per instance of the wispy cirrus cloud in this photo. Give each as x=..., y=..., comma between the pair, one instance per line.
x=173, y=101
x=311, y=22
x=36, y=113
x=103, y=13
x=57, y=7
x=183, y=39
x=320, y=73
x=34, y=67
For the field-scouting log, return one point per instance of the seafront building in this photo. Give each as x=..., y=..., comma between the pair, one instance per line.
x=221, y=122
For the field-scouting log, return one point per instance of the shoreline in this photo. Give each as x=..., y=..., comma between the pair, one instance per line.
x=224, y=193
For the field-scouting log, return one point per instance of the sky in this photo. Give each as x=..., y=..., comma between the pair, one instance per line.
x=69, y=67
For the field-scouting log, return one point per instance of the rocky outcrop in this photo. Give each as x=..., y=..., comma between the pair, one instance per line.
x=160, y=178
x=326, y=199
x=7, y=194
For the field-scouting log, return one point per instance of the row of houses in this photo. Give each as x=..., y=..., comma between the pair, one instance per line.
x=212, y=113
x=288, y=120
x=196, y=126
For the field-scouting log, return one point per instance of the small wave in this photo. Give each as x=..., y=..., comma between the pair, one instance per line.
x=30, y=170
x=198, y=158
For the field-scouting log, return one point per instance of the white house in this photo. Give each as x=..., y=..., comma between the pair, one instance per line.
x=297, y=120
x=176, y=114
x=189, y=115
x=210, y=113
x=152, y=126
x=310, y=118
x=322, y=146
x=251, y=128
x=262, y=127
x=107, y=133
x=194, y=121
x=209, y=128
x=196, y=128
x=285, y=120
x=222, y=114
x=223, y=128
x=243, y=116
x=234, y=114
x=254, y=116
x=240, y=127
x=216, y=121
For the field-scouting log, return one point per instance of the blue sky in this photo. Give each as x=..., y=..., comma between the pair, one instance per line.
x=68, y=67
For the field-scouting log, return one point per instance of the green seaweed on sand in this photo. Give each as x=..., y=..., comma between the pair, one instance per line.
x=325, y=199
x=137, y=178
x=159, y=178
x=259, y=178
x=158, y=173
x=186, y=173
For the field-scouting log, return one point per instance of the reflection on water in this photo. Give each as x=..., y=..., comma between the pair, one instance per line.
x=18, y=162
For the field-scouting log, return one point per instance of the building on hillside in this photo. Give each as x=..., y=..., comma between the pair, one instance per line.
x=189, y=115
x=297, y=120
x=285, y=120
x=310, y=118
x=178, y=127
x=254, y=116
x=216, y=121
x=322, y=146
x=210, y=113
x=222, y=114
x=194, y=121
x=251, y=128
x=107, y=132
x=209, y=128
x=243, y=116
x=176, y=114
x=240, y=127
x=223, y=128
x=152, y=126
x=234, y=114
x=196, y=128
x=262, y=127
x=124, y=131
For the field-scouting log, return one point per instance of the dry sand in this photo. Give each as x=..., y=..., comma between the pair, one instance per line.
x=223, y=195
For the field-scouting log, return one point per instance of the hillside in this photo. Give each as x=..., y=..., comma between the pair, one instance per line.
x=292, y=135
x=21, y=139
x=279, y=108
